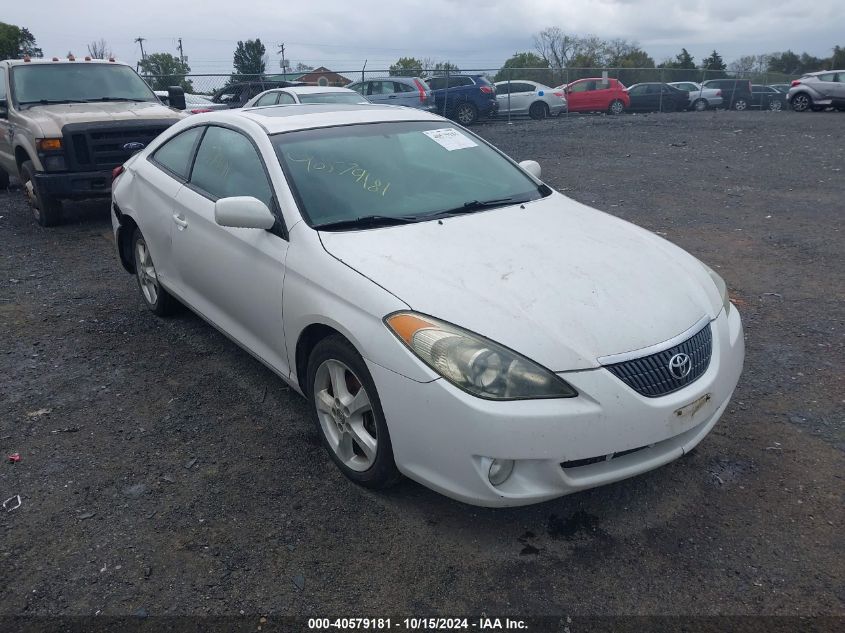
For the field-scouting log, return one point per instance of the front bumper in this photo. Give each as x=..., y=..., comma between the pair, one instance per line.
x=445, y=438
x=81, y=184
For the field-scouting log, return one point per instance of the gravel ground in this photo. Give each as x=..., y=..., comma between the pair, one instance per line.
x=164, y=471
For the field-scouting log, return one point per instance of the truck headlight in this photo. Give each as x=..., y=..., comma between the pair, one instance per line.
x=473, y=363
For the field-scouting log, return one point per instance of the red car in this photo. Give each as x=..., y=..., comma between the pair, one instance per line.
x=597, y=95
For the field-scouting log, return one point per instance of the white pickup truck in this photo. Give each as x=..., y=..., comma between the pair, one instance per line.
x=699, y=98
x=65, y=124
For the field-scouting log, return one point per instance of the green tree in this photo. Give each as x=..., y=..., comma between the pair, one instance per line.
x=16, y=41
x=528, y=66
x=407, y=67
x=635, y=66
x=838, y=59
x=443, y=68
x=249, y=59
x=714, y=66
x=162, y=70
x=682, y=68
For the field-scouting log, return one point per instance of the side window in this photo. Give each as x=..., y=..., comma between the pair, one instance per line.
x=2, y=85
x=360, y=88
x=175, y=154
x=517, y=88
x=228, y=165
x=403, y=87
x=582, y=86
x=268, y=99
x=286, y=98
x=828, y=77
x=381, y=88
x=637, y=90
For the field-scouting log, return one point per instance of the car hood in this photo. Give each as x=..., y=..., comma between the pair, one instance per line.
x=51, y=118
x=555, y=280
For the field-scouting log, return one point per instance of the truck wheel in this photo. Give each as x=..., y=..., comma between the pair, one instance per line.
x=46, y=209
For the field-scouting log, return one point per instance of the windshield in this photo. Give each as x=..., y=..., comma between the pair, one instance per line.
x=62, y=83
x=332, y=97
x=403, y=170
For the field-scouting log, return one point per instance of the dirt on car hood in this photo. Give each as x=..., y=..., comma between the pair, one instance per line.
x=51, y=118
x=556, y=280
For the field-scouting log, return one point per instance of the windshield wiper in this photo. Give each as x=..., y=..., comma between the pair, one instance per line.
x=117, y=99
x=469, y=207
x=49, y=101
x=366, y=221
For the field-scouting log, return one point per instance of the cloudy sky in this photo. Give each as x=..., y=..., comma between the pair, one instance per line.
x=341, y=34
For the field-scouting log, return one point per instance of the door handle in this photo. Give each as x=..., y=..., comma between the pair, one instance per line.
x=180, y=222
x=392, y=97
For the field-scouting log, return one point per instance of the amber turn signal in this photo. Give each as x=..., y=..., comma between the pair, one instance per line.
x=49, y=144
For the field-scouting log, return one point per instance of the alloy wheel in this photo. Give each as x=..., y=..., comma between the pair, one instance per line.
x=466, y=114
x=800, y=103
x=617, y=107
x=700, y=105
x=346, y=415
x=775, y=106
x=147, y=277
x=740, y=105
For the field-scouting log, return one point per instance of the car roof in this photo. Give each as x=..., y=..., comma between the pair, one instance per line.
x=80, y=61
x=303, y=90
x=288, y=118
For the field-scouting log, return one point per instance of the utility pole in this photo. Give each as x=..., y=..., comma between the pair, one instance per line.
x=181, y=52
x=283, y=62
x=140, y=40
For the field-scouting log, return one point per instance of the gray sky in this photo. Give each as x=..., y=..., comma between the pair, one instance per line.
x=479, y=34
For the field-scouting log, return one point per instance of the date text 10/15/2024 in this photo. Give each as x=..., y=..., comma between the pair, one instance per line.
x=417, y=624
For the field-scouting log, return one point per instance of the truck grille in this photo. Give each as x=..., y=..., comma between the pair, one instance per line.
x=100, y=146
x=650, y=375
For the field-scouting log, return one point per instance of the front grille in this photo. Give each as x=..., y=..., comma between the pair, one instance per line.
x=650, y=376
x=99, y=146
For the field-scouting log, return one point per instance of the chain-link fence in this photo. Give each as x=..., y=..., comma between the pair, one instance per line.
x=235, y=90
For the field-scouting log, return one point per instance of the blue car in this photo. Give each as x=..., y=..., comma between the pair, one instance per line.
x=464, y=98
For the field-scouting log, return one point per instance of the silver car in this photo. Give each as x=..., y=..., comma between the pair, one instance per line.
x=700, y=98
x=411, y=92
x=817, y=91
x=529, y=97
x=305, y=94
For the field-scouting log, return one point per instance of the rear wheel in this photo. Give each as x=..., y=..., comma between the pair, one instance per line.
x=741, y=104
x=801, y=102
x=700, y=105
x=775, y=106
x=46, y=209
x=349, y=415
x=466, y=114
x=538, y=110
x=616, y=107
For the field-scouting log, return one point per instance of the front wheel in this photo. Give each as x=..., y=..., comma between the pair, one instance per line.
x=349, y=416
x=775, y=106
x=700, y=105
x=466, y=114
x=46, y=209
x=154, y=295
x=538, y=110
x=740, y=105
x=616, y=107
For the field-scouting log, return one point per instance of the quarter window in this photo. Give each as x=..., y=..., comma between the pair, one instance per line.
x=268, y=99
x=175, y=154
x=227, y=164
x=286, y=98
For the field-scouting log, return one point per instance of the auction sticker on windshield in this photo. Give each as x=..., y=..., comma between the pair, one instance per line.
x=450, y=138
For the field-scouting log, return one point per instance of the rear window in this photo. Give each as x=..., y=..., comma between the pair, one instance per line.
x=332, y=97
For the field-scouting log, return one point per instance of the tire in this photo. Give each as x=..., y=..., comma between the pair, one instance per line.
x=47, y=210
x=538, y=110
x=741, y=105
x=466, y=114
x=775, y=105
x=801, y=102
x=155, y=297
x=616, y=107
x=700, y=105
x=358, y=440
x=4, y=180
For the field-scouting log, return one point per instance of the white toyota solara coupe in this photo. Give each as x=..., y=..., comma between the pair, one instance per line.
x=449, y=316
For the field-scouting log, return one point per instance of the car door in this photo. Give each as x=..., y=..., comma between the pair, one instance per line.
x=826, y=85
x=7, y=159
x=522, y=95
x=381, y=91
x=158, y=180
x=233, y=277
x=578, y=95
x=838, y=89
x=638, y=96
x=405, y=95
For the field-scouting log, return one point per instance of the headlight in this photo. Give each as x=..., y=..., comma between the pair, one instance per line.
x=473, y=363
x=721, y=286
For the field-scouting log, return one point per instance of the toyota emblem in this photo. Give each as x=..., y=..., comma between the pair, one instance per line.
x=680, y=365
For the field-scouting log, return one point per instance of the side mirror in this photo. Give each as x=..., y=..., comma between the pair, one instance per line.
x=243, y=212
x=176, y=97
x=532, y=167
